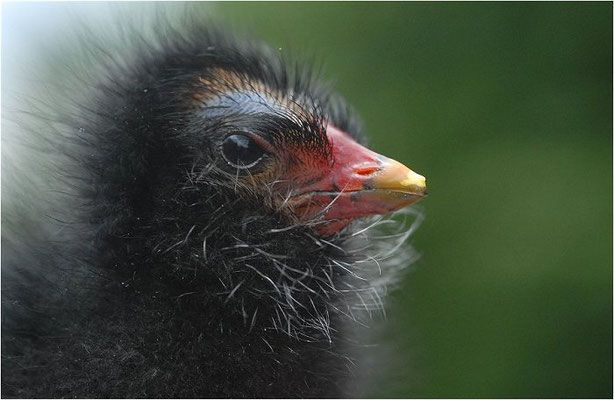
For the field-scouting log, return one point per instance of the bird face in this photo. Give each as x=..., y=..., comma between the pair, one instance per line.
x=285, y=148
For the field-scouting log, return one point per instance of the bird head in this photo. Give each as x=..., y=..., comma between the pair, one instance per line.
x=219, y=170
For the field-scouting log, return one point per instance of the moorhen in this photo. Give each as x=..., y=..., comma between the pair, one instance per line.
x=217, y=229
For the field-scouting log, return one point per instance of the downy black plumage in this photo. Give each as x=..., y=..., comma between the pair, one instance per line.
x=155, y=271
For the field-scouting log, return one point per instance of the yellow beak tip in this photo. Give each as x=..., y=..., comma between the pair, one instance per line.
x=414, y=179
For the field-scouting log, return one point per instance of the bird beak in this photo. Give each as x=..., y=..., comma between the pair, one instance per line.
x=359, y=183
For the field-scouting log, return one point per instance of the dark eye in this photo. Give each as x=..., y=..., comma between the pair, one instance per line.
x=241, y=151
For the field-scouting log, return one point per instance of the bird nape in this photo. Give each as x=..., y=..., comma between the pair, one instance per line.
x=212, y=227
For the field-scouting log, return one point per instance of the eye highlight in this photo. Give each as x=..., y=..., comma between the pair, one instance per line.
x=241, y=151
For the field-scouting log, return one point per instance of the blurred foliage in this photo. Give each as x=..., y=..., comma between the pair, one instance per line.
x=507, y=110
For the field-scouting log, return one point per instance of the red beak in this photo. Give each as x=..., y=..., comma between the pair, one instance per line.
x=360, y=183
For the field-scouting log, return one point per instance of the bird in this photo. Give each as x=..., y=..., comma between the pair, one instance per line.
x=217, y=228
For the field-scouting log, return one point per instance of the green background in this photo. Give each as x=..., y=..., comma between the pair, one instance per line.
x=506, y=108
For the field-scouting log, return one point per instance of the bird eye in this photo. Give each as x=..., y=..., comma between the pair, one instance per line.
x=241, y=151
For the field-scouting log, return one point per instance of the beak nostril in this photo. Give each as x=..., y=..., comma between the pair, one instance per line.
x=366, y=171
